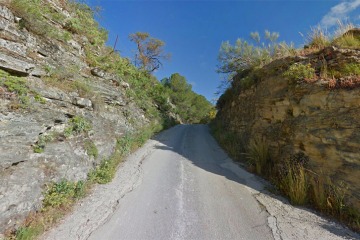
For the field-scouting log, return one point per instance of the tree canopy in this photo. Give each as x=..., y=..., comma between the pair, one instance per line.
x=191, y=107
x=150, y=51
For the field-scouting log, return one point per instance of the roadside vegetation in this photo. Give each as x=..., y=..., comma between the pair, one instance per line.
x=293, y=178
x=60, y=197
x=245, y=65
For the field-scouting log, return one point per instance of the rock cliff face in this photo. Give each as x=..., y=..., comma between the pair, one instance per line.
x=304, y=117
x=44, y=116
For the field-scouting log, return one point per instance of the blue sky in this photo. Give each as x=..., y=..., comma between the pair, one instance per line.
x=194, y=30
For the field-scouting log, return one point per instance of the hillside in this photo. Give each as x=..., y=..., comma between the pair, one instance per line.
x=70, y=107
x=294, y=120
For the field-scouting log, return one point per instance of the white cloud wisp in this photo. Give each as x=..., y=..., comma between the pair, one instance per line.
x=339, y=12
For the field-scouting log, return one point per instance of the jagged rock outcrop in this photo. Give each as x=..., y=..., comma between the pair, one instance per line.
x=302, y=117
x=23, y=171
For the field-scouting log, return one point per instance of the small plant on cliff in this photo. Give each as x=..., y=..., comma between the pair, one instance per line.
x=350, y=69
x=318, y=193
x=83, y=23
x=35, y=16
x=258, y=154
x=91, y=149
x=40, y=144
x=318, y=38
x=15, y=85
x=39, y=98
x=293, y=179
x=105, y=172
x=299, y=72
x=345, y=36
x=244, y=55
x=336, y=198
x=348, y=41
x=62, y=193
x=77, y=125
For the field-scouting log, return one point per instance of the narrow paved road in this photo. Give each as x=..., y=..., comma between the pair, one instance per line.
x=181, y=185
x=187, y=194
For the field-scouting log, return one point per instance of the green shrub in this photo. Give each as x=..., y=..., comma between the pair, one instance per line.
x=318, y=38
x=83, y=23
x=347, y=41
x=294, y=183
x=35, y=15
x=350, y=69
x=244, y=55
x=28, y=233
x=298, y=72
x=40, y=99
x=344, y=36
x=78, y=125
x=336, y=199
x=319, y=193
x=62, y=193
x=258, y=154
x=103, y=173
x=345, y=70
x=15, y=85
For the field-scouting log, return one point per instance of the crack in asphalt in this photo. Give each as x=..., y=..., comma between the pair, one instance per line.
x=274, y=228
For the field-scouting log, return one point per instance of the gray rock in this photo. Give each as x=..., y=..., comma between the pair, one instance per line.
x=75, y=45
x=19, y=131
x=38, y=72
x=3, y=24
x=55, y=94
x=15, y=65
x=125, y=85
x=82, y=102
x=6, y=13
x=98, y=72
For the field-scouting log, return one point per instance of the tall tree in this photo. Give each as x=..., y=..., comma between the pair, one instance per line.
x=149, y=51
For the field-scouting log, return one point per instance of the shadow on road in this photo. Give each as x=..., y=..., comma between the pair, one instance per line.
x=195, y=143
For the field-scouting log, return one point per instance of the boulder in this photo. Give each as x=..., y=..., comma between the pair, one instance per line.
x=97, y=72
x=82, y=102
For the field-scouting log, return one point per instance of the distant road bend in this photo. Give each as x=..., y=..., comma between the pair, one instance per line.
x=181, y=185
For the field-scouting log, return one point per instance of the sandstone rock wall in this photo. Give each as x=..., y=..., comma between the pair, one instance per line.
x=24, y=173
x=310, y=118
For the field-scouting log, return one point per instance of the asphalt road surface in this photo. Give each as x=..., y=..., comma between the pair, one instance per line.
x=181, y=185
